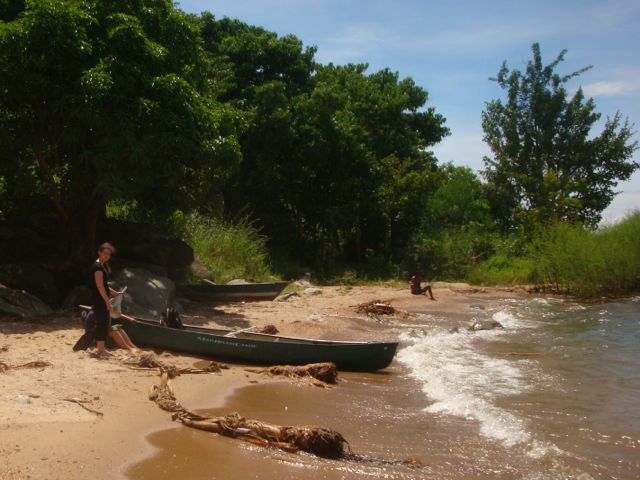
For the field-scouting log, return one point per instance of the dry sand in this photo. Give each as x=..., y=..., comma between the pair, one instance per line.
x=46, y=433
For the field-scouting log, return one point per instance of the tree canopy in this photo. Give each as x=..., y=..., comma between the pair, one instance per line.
x=140, y=104
x=547, y=164
x=103, y=100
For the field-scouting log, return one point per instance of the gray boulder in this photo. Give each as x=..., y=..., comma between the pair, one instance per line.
x=287, y=296
x=148, y=244
x=32, y=278
x=147, y=294
x=19, y=302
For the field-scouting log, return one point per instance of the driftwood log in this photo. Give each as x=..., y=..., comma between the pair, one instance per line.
x=148, y=361
x=319, y=441
x=376, y=308
x=35, y=364
x=319, y=374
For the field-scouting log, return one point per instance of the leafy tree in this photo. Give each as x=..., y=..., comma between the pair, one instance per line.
x=338, y=165
x=456, y=230
x=103, y=100
x=460, y=199
x=546, y=163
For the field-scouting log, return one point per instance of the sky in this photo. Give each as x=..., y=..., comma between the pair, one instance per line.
x=451, y=49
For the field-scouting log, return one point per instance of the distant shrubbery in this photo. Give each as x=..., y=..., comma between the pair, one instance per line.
x=568, y=258
x=585, y=263
x=501, y=269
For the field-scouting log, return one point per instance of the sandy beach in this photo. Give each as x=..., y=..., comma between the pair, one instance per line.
x=82, y=417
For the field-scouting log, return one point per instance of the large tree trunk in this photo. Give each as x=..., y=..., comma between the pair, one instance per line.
x=76, y=242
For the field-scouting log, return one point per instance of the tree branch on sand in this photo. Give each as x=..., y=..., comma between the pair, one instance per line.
x=35, y=364
x=318, y=374
x=320, y=441
x=148, y=361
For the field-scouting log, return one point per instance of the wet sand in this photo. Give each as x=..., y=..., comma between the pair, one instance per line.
x=42, y=435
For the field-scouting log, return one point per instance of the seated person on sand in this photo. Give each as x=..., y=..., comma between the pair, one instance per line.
x=416, y=286
x=116, y=333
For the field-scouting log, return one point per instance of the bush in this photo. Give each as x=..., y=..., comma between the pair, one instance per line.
x=572, y=259
x=501, y=269
x=449, y=254
x=228, y=250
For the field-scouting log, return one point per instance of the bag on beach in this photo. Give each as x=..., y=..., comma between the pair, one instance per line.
x=88, y=337
x=171, y=319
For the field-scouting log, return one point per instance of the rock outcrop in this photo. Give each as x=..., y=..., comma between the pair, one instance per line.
x=19, y=302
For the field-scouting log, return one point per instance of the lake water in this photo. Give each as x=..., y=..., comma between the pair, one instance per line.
x=555, y=395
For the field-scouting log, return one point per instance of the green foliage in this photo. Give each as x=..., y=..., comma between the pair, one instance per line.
x=448, y=253
x=547, y=165
x=502, y=269
x=105, y=101
x=586, y=263
x=228, y=250
x=334, y=165
x=456, y=231
x=460, y=199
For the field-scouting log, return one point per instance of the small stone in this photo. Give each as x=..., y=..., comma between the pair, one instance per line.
x=312, y=291
x=287, y=296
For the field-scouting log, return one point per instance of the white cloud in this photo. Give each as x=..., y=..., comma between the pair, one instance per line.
x=610, y=88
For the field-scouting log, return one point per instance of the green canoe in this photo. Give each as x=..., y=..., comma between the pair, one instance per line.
x=243, y=292
x=245, y=346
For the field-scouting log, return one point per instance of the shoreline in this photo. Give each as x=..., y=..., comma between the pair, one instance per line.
x=34, y=414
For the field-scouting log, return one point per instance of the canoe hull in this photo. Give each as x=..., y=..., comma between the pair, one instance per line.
x=263, y=349
x=249, y=292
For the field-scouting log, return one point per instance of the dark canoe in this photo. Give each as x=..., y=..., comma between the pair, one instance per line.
x=243, y=346
x=247, y=292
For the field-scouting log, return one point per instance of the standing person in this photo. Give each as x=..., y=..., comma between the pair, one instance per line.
x=416, y=286
x=101, y=294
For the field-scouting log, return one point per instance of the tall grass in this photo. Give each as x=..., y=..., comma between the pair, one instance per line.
x=502, y=269
x=227, y=250
x=589, y=264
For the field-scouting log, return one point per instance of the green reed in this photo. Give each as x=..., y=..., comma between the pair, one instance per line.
x=501, y=269
x=571, y=259
x=228, y=250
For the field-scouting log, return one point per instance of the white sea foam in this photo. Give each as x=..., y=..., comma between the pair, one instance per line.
x=462, y=381
x=540, y=301
x=509, y=321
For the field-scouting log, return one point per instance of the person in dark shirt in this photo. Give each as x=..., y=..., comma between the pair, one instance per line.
x=416, y=286
x=101, y=302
